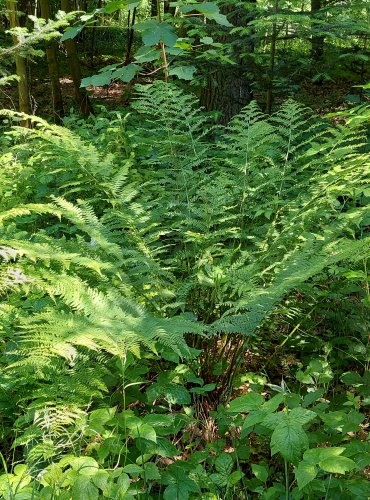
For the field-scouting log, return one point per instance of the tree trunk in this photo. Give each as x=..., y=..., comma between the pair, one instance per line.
x=21, y=65
x=154, y=8
x=317, y=41
x=271, y=73
x=53, y=68
x=81, y=97
x=130, y=34
x=227, y=88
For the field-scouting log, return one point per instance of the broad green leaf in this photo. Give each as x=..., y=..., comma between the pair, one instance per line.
x=337, y=465
x=315, y=455
x=220, y=480
x=204, y=389
x=311, y=397
x=207, y=40
x=85, y=466
x=224, y=464
x=144, y=431
x=151, y=471
x=97, y=80
x=98, y=419
x=71, y=32
x=289, y=439
x=133, y=469
x=154, y=31
x=119, y=5
x=84, y=489
x=305, y=473
x=235, y=477
x=165, y=448
x=203, y=8
x=179, y=484
x=101, y=479
x=352, y=378
x=273, y=404
x=220, y=19
x=253, y=418
x=184, y=73
x=261, y=472
x=177, y=394
x=246, y=403
x=127, y=73
x=147, y=54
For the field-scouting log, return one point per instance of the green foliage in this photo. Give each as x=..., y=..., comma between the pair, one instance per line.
x=142, y=258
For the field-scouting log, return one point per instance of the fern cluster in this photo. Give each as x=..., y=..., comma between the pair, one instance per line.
x=180, y=229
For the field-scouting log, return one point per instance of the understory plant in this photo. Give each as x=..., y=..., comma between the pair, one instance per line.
x=148, y=259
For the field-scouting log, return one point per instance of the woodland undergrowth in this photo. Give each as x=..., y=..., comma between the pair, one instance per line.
x=184, y=307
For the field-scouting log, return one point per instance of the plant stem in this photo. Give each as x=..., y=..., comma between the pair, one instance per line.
x=327, y=491
x=286, y=479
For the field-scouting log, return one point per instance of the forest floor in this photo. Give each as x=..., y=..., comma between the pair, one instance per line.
x=322, y=98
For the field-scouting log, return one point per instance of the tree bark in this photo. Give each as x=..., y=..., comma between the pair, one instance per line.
x=81, y=97
x=21, y=65
x=271, y=73
x=317, y=41
x=227, y=88
x=53, y=68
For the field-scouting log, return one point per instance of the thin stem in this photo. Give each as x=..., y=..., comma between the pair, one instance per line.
x=286, y=479
x=327, y=491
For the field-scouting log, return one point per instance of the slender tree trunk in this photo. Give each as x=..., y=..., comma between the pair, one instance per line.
x=227, y=88
x=21, y=65
x=154, y=8
x=317, y=41
x=270, y=88
x=53, y=68
x=81, y=97
x=130, y=34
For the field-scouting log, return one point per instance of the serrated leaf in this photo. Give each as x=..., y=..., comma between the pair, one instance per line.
x=100, y=479
x=85, y=466
x=144, y=431
x=132, y=469
x=315, y=455
x=290, y=440
x=84, y=489
x=151, y=471
x=224, y=464
x=305, y=473
x=218, y=479
x=337, y=464
x=154, y=31
x=176, y=394
x=246, y=403
x=165, y=448
x=123, y=484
